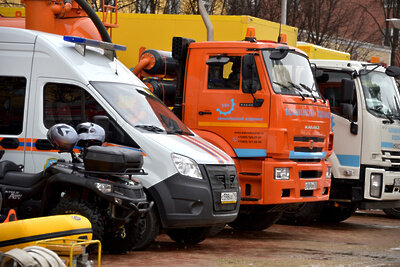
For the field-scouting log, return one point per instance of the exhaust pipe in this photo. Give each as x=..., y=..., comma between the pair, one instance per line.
x=207, y=21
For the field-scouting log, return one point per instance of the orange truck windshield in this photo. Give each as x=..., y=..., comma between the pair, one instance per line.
x=291, y=75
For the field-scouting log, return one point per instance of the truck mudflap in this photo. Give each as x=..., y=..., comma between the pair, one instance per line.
x=183, y=201
x=307, y=183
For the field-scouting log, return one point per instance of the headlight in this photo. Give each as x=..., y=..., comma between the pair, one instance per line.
x=328, y=172
x=376, y=185
x=104, y=188
x=186, y=166
x=282, y=174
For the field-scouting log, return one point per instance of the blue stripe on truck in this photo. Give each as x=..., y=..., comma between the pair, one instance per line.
x=349, y=160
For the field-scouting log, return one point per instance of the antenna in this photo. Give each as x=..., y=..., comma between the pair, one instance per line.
x=279, y=34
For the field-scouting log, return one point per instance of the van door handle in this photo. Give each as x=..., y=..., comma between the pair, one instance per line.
x=11, y=143
x=43, y=144
x=205, y=112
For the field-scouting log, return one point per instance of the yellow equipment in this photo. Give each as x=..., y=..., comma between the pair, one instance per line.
x=23, y=233
x=318, y=52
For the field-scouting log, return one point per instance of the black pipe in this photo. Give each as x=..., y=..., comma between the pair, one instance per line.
x=96, y=20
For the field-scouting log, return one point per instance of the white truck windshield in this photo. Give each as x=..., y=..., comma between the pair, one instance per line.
x=140, y=108
x=291, y=75
x=381, y=95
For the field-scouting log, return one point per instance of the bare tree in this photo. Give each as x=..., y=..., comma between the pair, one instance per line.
x=255, y=8
x=213, y=7
x=390, y=35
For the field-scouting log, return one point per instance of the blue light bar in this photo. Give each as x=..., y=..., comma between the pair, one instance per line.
x=94, y=43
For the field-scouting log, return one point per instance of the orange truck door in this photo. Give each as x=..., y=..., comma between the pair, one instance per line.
x=228, y=112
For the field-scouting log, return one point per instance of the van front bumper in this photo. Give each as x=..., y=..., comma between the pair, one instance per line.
x=183, y=201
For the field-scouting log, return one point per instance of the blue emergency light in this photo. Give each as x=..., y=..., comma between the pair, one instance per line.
x=81, y=43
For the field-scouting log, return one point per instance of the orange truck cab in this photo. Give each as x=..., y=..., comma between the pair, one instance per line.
x=257, y=101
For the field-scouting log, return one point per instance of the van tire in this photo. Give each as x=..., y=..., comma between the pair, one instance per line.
x=69, y=206
x=189, y=236
x=334, y=214
x=304, y=214
x=392, y=213
x=255, y=221
x=146, y=230
x=215, y=229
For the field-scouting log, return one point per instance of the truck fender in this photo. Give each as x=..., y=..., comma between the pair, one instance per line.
x=62, y=178
x=217, y=141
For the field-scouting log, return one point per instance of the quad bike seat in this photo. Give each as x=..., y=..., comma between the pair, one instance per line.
x=6, y=166
x=11, y=174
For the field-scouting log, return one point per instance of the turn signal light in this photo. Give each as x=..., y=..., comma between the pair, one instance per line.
x=374, y=59
x=283, y=38
x=251, y=34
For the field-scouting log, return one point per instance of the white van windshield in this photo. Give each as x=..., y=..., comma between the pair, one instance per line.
x=291, y=75
x=140, y=108
x=381, y=95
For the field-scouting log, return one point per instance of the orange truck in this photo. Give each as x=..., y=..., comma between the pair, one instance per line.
x=257, y=101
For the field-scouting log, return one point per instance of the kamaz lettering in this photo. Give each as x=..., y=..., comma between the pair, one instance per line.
x=310, y=127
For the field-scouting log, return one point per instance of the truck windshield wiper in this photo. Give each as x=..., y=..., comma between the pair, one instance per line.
x=309, y=90
x=291, y=88
x=151, y=128
x=298, y=88
x=383, y=113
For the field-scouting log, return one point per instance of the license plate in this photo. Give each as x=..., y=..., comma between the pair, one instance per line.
x=228, y=197
x=396, y=181
x=310, y=186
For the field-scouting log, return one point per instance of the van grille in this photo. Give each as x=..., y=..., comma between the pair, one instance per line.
x=223, y=178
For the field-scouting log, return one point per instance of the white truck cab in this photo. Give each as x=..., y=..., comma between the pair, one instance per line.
x=44, y=80
x=365, y=106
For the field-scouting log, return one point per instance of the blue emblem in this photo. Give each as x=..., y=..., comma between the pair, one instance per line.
x=229, y=111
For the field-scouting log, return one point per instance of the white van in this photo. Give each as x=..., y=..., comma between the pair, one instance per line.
x=45, y=80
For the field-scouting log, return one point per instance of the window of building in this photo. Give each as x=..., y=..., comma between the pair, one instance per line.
x=12, y=104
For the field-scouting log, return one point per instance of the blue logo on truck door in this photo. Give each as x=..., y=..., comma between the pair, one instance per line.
x=227, y=105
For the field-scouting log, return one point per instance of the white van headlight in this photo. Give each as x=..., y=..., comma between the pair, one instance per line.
x=186, y=166
x=376, y=185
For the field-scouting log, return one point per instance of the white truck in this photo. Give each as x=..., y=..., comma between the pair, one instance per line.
x=365, y=106
x=47, y=79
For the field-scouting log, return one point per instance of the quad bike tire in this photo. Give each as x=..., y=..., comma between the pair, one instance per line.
x=69, y=206
x=255, y=221
x=304, y=214
x=119, y=242
x=189, y=236
x=392, y=213
x=333, y=213
x=146, y=230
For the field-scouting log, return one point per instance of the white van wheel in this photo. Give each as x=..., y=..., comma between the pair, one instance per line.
x=190, y=236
